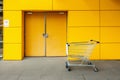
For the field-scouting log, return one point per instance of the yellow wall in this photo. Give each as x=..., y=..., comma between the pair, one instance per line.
x=13, y=36
x=87, y=19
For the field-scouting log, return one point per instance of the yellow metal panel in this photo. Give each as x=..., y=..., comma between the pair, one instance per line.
x=12, y=4
x=34, y=41
x=95, y=55
x=12, y=35
x=12, y=52
x=27, y=5
x=110, y=51
x=110, y=34
x=110, y=4
x=83, y=18
x=14, y=17
x=23, y=50
x=76, y=34
x=56, y=30
x=76, y=5
x=36, y=5
x=110, y=18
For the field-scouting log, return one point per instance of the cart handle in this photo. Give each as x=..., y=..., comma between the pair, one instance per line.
x=95, y=41
x=84, y=42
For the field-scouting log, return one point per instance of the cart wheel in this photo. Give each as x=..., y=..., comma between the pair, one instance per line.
x=66, y=65
x=69, y=69
x=89, y=63
x=96, y=69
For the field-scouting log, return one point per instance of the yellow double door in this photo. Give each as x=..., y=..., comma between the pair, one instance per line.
x=45, y=34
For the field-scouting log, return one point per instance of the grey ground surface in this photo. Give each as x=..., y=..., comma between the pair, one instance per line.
x=53, y=68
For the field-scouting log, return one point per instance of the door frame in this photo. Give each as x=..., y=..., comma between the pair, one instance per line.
x=24, y=28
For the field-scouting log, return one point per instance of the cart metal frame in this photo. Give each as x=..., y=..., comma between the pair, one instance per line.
x=80, y=51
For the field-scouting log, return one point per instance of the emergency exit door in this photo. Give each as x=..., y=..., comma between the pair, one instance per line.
x=45, y=34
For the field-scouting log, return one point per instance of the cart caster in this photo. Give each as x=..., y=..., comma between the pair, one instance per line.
x=89, y=63
x=96, y=69
x=69, y=69
x=66, y=65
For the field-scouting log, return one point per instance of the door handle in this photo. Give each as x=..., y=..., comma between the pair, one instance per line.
x=45, y=35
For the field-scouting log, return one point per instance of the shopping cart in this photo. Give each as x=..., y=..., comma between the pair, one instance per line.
x=78, y=54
